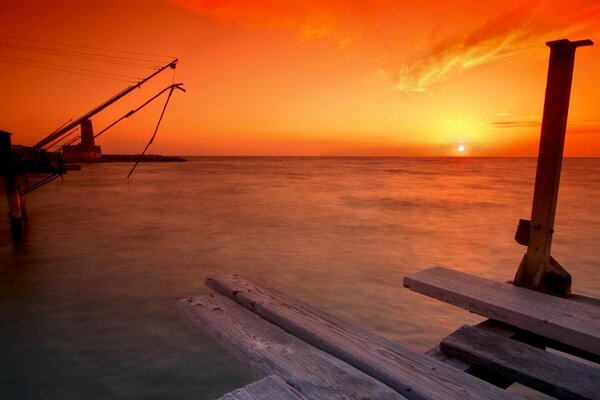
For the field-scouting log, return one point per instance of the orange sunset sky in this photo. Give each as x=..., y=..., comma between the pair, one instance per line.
x=294, y=77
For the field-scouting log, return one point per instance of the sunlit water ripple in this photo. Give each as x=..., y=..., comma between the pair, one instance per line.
x=87, y=300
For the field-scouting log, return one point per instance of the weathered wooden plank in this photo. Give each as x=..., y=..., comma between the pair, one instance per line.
x=271, y=350
x=573, y=323
x=413, y=374
x=538, y=369
x=585, y=299
x=270, y=388
x=511, y=332
x=532, y=339
x=454, y=362
x=480, y=372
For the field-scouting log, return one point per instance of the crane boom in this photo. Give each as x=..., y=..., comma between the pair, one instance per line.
x=66, y=128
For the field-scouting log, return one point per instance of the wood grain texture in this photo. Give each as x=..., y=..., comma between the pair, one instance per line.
x=532, y=339
x=271, y=350
x=270, y=388
x=480, y=372
x=538, y=369
x=413, y=374
x=437, y=353
x=573, y=323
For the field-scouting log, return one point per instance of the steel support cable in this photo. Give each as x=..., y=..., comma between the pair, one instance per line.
x=50, y=138
x=73, y=140
x=28, y=60
x=99, y=59
x=173, y=87
x=22, y=39
x=40, y=183
x=67, y=71
x=127, y=115
x=60, y=139
x=49, y=50
x=62, y=126
x=130, y=113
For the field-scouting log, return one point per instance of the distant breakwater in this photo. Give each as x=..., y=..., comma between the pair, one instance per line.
x=136, y=157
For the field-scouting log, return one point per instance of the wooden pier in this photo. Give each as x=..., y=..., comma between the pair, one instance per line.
x=306, y=353
x=319, y=356
x=16, y=161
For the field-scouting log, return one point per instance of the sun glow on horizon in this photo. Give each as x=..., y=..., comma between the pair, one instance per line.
x=340, y=77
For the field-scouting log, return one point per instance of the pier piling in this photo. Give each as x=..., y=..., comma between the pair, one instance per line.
x=538, y=270
x=17, y=211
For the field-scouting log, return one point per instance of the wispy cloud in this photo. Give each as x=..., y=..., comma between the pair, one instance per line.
x=512, y=33
x=384, y=26
x=515, y=124
x=496, y=38
x=585, y=127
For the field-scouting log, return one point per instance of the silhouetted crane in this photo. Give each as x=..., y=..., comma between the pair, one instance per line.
x=16, y=161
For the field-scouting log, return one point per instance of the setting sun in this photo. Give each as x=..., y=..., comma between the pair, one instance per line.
x=279, y=78
x=330, y=149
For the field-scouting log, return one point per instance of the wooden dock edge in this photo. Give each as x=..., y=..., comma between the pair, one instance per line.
x=408, y=372
x=270, y=350
x=574, y=323
x=501, y=353
x=533, y=367
x=269, y=388
x=320, y=356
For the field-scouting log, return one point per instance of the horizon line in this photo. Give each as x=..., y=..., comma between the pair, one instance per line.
x=360, y=156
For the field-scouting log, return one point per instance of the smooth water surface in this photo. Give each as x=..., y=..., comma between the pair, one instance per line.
x=87, y=300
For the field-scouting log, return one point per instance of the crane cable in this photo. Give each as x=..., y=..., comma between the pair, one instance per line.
x=127, y=115
x=173, y=87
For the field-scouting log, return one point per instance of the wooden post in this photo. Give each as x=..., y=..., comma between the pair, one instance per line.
x=538, y=270
x=17, y=213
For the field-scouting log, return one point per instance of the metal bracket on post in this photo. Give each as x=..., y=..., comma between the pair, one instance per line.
x=538, y=270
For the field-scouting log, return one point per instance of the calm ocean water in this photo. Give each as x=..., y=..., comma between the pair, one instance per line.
x=87, y=300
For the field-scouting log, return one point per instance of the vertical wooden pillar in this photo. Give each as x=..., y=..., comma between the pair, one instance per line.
x=17, y=212
x=538, y=270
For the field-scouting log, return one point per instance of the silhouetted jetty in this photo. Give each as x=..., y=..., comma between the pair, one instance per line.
x=16, y=160
x=137, y=157
x=75, y=163
x=307, y=353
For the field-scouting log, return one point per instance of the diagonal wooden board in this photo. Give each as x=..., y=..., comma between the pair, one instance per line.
x=573, y=323
x=412, y=374
x=269, y=388
x=547, y=372
x=269, y=349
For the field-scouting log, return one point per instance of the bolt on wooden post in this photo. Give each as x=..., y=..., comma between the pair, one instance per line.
x=538, y=270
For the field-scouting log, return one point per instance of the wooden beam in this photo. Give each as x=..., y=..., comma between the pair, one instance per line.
x=482, y=373
x=538, y=369
x=269, y=349
x=411, y=373
x=538, y=341
x=538, y=270
x=573, y=323
x=489, y=375
x=454, y=362
x=270, y=388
